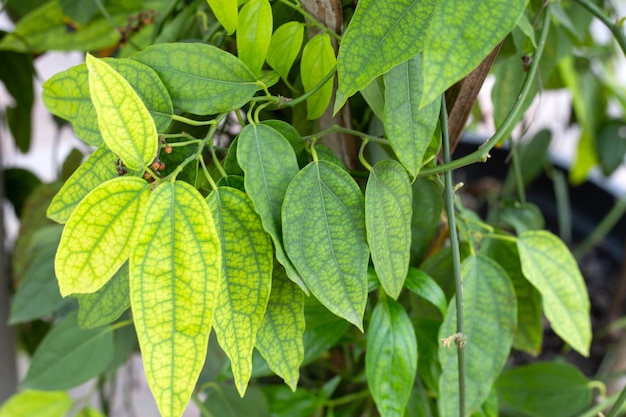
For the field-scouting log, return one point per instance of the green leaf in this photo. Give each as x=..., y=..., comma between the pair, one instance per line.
x=529, y=333
x=317, y=338
x=226, y=13
x=78, y=11
x=98, y=168
x=279, y=339
x=284, y=47
x=247, y=278
x=18, y=184
x=223, y=400
x=610, y=144
x=107, y=304
x=421, y=284
x=175, y=271
x=387, y=213
x=374, y=95
x=89, y=412
x=408, y=127
x=318, y=59
x=69, y=356
x=427, y=206
x=551, y=268
x=391, y=357
x=66, y=94
x=44, y=29
x=545, y=389
x=254, y=32
x=461, y=35
x=17, y=76
x=37, y=403
x=324, y=233
x=124, y=121
x=523, y=217
x=490, y=311
x=270, y=164
x=380, y=35
x=293, y=137
x=187, y=68
x=38, y=292
x=99, y=234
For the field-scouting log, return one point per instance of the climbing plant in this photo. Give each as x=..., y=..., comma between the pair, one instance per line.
x=265, y=172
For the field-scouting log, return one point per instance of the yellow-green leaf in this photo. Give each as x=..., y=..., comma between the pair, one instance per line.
x=124, y=121
x=98, y=168
x=318, y=59
x=254, y=32
x=175, y=272
x=552, y=269
x=98, y=236
x=388, y=199
x=324, y=233
x=226, y=13
x=246, y=278
x=279, y=339
x=37, y=403
x=285, y=47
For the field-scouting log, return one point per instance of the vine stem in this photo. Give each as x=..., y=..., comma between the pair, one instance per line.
x=339, y=129
x=617, y=406
x=482, y=153
x=297, y=7
x=616, y=29
x=456, y=256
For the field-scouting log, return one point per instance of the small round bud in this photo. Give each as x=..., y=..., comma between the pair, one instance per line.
x=168, y=149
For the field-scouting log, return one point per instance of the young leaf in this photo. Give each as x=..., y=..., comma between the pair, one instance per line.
x=380, y=35
x=387, y=213
x=226, y=13
x=551, y=268
x=490, y=312
x=318, y=59
x=107, y=304
x=254, y=32
x=124, y=121
x=247, y=278
x=98, y=236
x=270, y=164
x=69, y=356
x=545, y=389
x=187, y=68
x=421, y=284
x=391, y=357
x=37, y=403
x=324, y=233
x=284, y=47
x=408, y=127
x=279, y=339
x=175, y=271
x=472, y=29
x=98, y=168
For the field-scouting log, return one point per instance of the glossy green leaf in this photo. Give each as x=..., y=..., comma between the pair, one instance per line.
x=98, y=168
x=551, y=268
x=490, y=314
x=44, y=29
x=545, y=389
x=387, y=213
x=293, y=137
x=408, y=127
x=280, y=336
x=38, y=292
x=421, y=284
x=98, y=236
x=223, y=400
x=69, y=356
x=124, y=121
x=107, y=304
x=529, y=333
x=284, y=47
x=247, y=263
x=175, y=271
x=226, y=12
x=37, y=403
x=391, y=357
x=66, y=94
x=380, y=35
x=254, y=32
x=427, y=207
x=187, y=68
x=324, y=233
x=318, y=59
x=461, y=35
x=270, y=164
